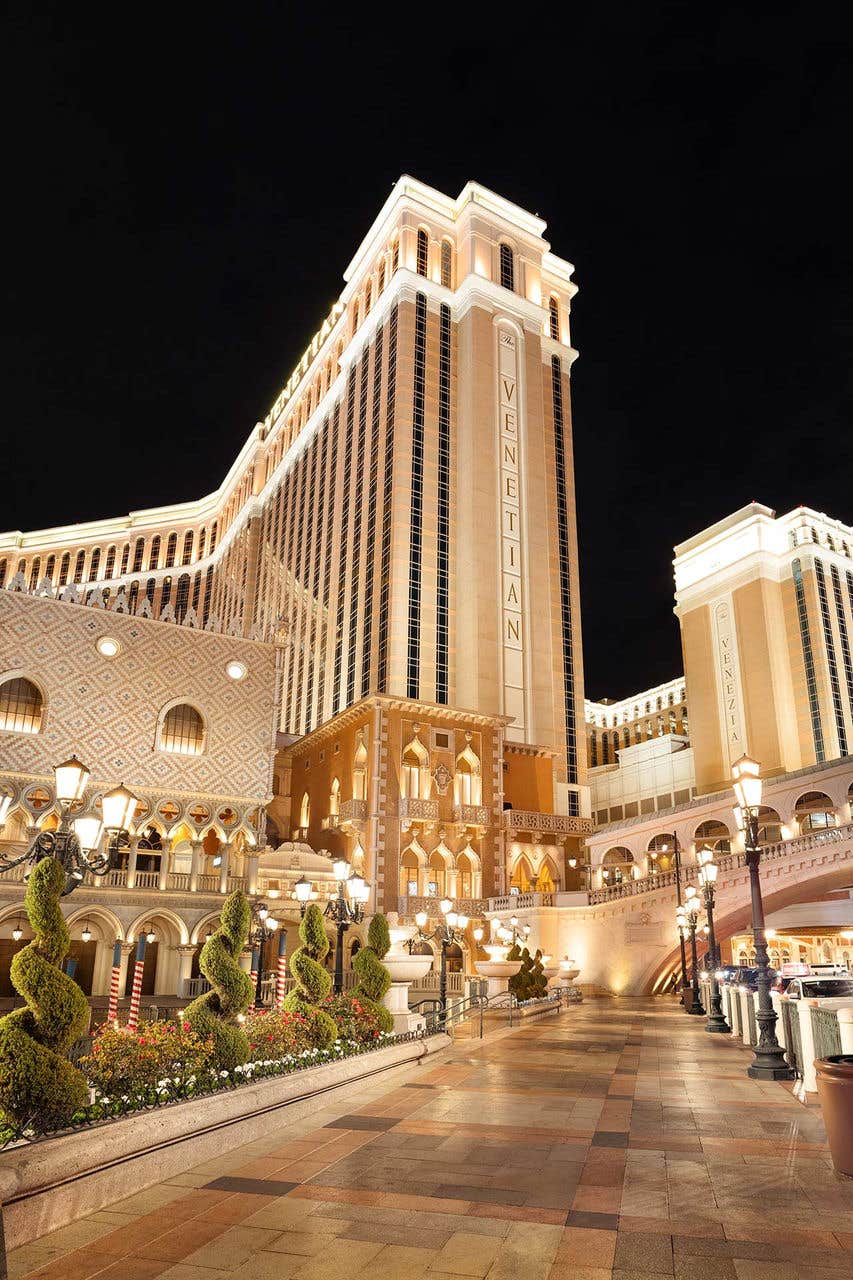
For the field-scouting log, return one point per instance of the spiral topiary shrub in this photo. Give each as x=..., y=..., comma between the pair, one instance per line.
x=39, y=1087
x=215, y=1015
x=373, y=978
x=313, y=982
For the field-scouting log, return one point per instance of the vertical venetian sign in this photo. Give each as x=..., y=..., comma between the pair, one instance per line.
x=512, y=624
x=728, y=673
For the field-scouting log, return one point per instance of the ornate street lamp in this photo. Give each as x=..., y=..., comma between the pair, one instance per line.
x=451, y=929
x=769, y=1061
x=345, y=909
x=708, y=871
x=685, y=920
x=263, y=926
x=75, y=843
x=303, y=891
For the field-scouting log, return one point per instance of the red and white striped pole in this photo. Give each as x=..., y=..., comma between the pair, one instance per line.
x=256, y=960
x=281, y=973
x=112, y=1008
x=136, y=990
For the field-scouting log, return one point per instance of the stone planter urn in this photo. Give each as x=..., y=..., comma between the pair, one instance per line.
x=552, y=972
x=404, y=970
x=497, y=970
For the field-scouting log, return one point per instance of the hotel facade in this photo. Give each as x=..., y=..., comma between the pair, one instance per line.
x=400, y=530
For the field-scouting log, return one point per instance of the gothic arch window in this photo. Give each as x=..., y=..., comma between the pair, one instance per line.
x=154, y=553
x=21, y=706
x=422, y=260
x=171, y=548
x=335, y=798
x=414, y=782
x=468, y=783
x=181, y=730
x=359, y=772
x=409, y=864
x=447, y=264
x=305, y=812
x=554, y=318
x=507, y=266
x=187, y=555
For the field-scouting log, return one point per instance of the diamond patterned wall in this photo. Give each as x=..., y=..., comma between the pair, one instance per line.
x=106, y=710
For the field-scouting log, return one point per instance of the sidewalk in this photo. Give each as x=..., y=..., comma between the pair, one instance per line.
x=616, y=1139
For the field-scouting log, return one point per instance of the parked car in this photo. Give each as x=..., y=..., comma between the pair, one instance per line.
x=794, y=969
x=742, y=975
x=820, y=987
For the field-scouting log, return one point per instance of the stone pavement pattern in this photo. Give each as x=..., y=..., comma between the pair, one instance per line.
x=616, y=1139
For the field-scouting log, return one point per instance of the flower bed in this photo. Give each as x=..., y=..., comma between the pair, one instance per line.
x=166, y=1062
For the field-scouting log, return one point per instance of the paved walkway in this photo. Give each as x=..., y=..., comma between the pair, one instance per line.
x=616, y=1139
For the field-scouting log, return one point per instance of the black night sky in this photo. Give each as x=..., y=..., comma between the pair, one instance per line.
x=186, y=184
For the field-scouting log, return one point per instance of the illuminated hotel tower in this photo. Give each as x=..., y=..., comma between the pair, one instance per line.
x=403, y=519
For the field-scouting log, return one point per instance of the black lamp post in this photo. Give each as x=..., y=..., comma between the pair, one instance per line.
x=686, y=921
x=345, y=911
x=769, y=1061
x=708, y=871
x=445, y=934
x=263, y=926
x=76, y=841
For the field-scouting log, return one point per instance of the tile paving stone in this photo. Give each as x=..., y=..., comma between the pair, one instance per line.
x=615, y=1142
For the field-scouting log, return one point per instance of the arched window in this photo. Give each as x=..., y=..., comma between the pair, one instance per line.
x=154, y=553
x=335, y=798
x=615, y=739
x=381, y=275
x=171, y=548
x=507, y=263
x=423, y=252
x=414, y=782
x=50, y=567
x=202, y=537
x=593, y=751
x=395, y=256
x=355, y=314
x=468, y=783
x=110, y=562
x=182, y=731
x=447, y=264
x=214, y=530
x=64, y=566
x=2, y=573
x=21, y=706
x=464, y=876
x=437, y=875
x=166, y=593
x=34, y=573
x=409, y=873
x=660, y=726
x=359, y=772
x=673, y=722
x=638, y=733
x=305, y=812
x=815, y=812
x=626, y=737
x=616, y=865
x=125, y=557
x=182, y=597
x=79, y=565
x=95, y=565
x=554, y=318
x=138, y=552
x=713, y=834
x=368, y=297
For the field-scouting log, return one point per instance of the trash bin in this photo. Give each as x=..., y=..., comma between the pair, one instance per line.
x=835, y=1091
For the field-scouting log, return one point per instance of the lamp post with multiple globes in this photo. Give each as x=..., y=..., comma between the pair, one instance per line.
x=451, y=929
x=685, y=919
x=346, y=908
x=263, y=926
x=708, y=871
x=769, y=1061
x=76, y=842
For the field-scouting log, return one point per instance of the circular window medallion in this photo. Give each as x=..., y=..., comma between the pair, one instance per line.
x=108, y=647
x=236, y=670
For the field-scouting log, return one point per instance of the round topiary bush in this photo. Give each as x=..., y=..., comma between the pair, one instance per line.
x=373, y=978
x=39, y=1087
x=313, y=982
x=215, y=1015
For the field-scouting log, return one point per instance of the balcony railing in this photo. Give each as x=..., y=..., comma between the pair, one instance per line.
x=521, y=901
x=418, y=810
x=557, y=824
x=728, y=862
x=350, y=812
x=472, y=815
x=176, y=881
x=410, y=906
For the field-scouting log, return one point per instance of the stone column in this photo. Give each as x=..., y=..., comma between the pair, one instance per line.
x=245, y=963
x=195, y=863
x=252, y=871
x=225, y=851
x=185, y=967
x=127, y=950
x=132, y=855
x=163, y=878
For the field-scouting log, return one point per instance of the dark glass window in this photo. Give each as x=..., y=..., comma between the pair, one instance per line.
x=423, y=252
x=507, y=267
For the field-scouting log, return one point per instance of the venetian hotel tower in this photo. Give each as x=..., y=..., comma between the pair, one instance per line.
x=402, y=525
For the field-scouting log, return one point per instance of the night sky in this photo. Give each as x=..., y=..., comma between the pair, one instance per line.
x=184, y=190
